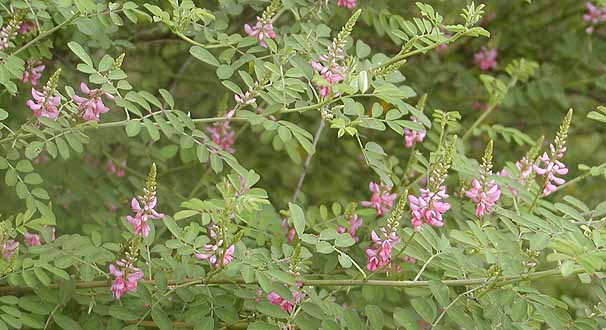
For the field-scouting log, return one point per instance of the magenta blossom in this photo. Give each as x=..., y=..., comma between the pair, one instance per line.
x=486, y=59
x=91, y=106
x=332, y=73
x=245, y=98
x=594, y=16
x=286, y=305
x=213, y=252
x=355, y=223
x=263, y=29
x=31, y=239
x=25, y=27
x=428, y=208
x=379, y=253
x=484, y=196
x=144, y=209
x=223, y=135
x=43, y=104
x=552, y=168
x=412, y=136
x=349, y=4
x=127, y=276
x=111, y=168
x=288, y=230
x=8, y=249
x=381, y=199
x=32, y=72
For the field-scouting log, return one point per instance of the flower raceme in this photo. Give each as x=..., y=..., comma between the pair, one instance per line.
x=552, y=167
x=329, y=68
x=381, y=200
x=144, y=209
x=263, y=29
x=31, y=239
x=111, y=168
x=413, y=136
x=8, y=248
x=44, y=104
x=379, y=254
x=428, y=207
x=286, y=305
x=349, y=4
x=594, y=16
x=127, y=276
x=91, y=106
x=486, y=59
x=213, y=253
x=223, y=135
x=484, y=196
x=32, y=72
x=355, y=222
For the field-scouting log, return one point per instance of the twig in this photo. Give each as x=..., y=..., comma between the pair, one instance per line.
x=308, y=161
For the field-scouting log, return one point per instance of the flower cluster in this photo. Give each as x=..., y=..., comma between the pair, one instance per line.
x=412, y=136
x=379, y=253
x=553, y=167
x=484, y=192
x=552, y=162
x=286, y=305
x=127, y=276
x=118, y=171
x=214, y=253
x=46, y=102
x=7, y=33
x=594, y=16
x=486, y=59
x=222, y=134
x=349, y=4
x=91, y=106
x=288, y=230
x=31, y=239
x=144, y=206
x=8, y=248
x=381, y=199
x=355, y=222
x=430, y=205
x=329, y=68
x=32, y=72
x=262, y=30
x=245, y=98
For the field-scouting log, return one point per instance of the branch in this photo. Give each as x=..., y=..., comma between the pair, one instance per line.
x=308, y=161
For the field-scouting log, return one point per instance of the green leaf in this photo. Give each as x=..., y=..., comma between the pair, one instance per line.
x=440, y=291
x=121, y=313
x=352, y=321
x=298, y=218
x=405, y=318
x=171, y=225
x=3, y=114
x=65, y=322
x=204, y=55
x=153, y=131
x=375, y=317
x=80, y=52
x=425, y=307
x=133, y=128
x=271, y=310
x=161, y=319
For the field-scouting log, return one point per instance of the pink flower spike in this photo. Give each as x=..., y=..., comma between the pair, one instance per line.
x=32, y=72
x=349, y=4
x=412, y=136
x=428, y=208
x=8, y=248
x=484, y=196
x=381, y=200
x=260, y=31
x=379, y=253
x=91, y=106
x=43, y=104
x=486, y=59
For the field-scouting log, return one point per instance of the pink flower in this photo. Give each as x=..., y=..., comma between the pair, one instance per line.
x=288, y=230
x=127, y=276
x=111, y=168
x=409, y=260
x=332, y=73
x=486, y=59
x=428, y=208
x=31, y=239
x=223, y=135
x=484, y=196
x=412, y=136
x=25, y=27
x=381, y=199
x=286, y=305
x=355, y=223
x=91, y=107
x=593, y=16
x=379, y=253
x=32, y=72
x=44, y=105
x=263, y=29
x=553, y=167
x=8, y=248
x=144, y=209
x=212, y=253
x=349, y=4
